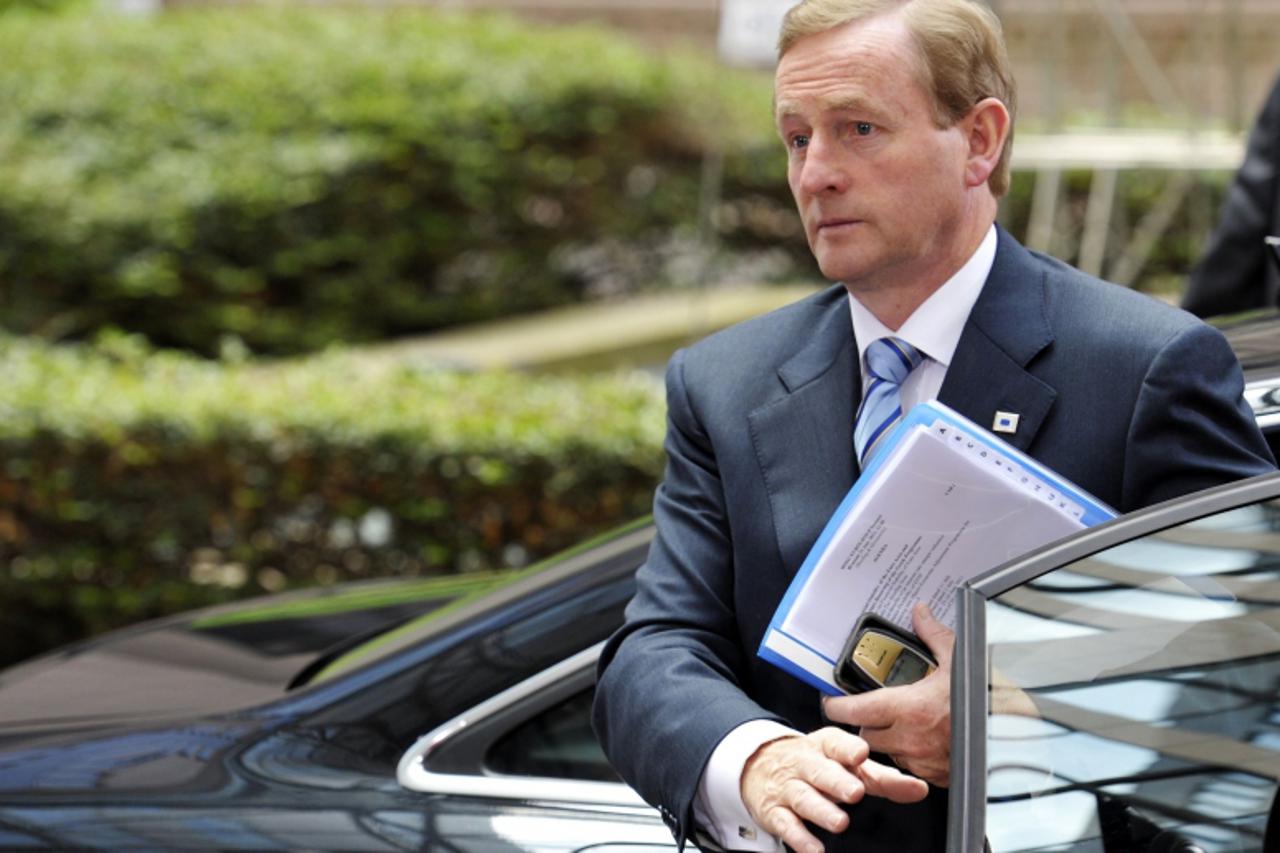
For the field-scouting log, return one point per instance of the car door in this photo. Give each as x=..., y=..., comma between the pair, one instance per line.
x=526, y=770
x=1120, y=690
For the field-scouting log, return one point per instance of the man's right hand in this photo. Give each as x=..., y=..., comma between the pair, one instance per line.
x=793, y=779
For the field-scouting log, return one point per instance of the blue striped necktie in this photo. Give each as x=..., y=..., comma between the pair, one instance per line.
x=889, y=360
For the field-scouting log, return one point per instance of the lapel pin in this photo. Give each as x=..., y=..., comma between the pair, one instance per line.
x=1006, y=422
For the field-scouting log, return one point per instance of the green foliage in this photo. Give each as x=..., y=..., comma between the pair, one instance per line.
x=135, y=483
x=296, y=178
x=39, y=7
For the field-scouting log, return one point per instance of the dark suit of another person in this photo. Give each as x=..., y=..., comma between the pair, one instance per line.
x=1234, y=273
x=1134, y=401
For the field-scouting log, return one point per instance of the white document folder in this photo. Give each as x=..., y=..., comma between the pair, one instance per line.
x=942, y=502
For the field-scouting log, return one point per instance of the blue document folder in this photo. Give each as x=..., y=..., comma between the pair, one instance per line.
x=942, y=502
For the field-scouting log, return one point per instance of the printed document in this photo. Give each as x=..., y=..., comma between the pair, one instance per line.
x=943, y=503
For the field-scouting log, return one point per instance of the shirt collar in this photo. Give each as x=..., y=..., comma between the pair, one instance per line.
x=934, y=328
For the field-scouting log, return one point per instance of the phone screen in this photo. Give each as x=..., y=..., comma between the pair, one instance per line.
x=906, y=669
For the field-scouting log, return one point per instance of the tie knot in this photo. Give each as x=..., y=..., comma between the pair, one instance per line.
x=891, y=359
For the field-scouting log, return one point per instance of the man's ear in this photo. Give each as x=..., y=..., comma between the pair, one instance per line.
x=986, y=127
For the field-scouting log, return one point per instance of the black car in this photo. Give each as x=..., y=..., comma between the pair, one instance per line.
x=454, y=715
x=280, y=724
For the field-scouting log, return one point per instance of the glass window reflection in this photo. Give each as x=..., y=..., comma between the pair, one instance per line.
x=1134, y=696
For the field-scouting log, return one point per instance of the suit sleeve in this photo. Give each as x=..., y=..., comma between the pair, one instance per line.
x=668, y=688
x=1191, y=427
x=1234, y=273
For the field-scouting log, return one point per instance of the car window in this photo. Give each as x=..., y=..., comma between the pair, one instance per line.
x=557, y=743
x=532, y=741
x=1134, y=696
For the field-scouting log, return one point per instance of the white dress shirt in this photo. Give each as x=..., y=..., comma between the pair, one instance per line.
x=934, y=328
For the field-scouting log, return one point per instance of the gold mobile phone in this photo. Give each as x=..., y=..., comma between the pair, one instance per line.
x=880, y=654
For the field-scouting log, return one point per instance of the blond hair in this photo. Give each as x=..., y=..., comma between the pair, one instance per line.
x=961, y=46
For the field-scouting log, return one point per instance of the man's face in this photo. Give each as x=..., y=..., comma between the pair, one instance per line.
x=880, y=187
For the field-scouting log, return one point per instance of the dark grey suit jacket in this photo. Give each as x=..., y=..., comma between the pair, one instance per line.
x=1234, y=273
x=1133, y=400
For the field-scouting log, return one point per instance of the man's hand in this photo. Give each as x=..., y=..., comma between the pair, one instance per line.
x=801, y=778
x=910, y=724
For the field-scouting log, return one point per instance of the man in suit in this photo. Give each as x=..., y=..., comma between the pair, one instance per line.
x=1234, y=273
x=896, y=116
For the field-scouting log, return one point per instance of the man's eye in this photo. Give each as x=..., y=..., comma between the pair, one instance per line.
x=800, y=140
x=863, y=128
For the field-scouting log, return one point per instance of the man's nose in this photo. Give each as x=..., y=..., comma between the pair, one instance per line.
x=822, y=171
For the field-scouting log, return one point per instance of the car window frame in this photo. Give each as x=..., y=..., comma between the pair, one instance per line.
x=450, y=758
x=966, y=814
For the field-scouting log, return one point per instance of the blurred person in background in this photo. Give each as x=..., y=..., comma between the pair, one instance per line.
x=1236, y=272
x=896, y=117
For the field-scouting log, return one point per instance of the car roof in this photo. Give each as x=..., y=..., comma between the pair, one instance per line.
x=1255, y=338
x=258, y=652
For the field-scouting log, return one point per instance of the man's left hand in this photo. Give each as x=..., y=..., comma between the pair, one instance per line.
x=911, y=724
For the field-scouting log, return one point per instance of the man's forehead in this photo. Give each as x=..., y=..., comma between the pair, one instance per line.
x=853, y=65
x=849, y=88
x=842, y=98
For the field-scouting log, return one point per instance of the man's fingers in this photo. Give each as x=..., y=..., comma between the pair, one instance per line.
x=936, y=774
x=890, y=783
x=783, y=824
x=839, y=745
x=912, y=723
x=804, y=778
x=813, y=806
x=886, y=742
x=835, y=781
x=829, y=768
x=938, y=637
x=876, y=709
x=920, y=742
x=792, y=780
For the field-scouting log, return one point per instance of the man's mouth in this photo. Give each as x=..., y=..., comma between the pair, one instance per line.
x=834, y=223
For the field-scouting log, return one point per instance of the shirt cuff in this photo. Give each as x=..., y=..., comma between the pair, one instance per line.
x=718, y=806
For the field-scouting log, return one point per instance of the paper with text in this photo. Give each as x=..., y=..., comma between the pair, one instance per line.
x=945, y=502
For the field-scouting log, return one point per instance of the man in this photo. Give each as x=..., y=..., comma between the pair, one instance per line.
x=1235, y=272
x=896, y=116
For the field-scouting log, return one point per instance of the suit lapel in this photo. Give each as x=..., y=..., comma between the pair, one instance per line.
x=1007, y=328
x=804, y=438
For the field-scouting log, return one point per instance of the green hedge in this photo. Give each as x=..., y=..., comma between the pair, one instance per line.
x=134, y=484
x=296, y=178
